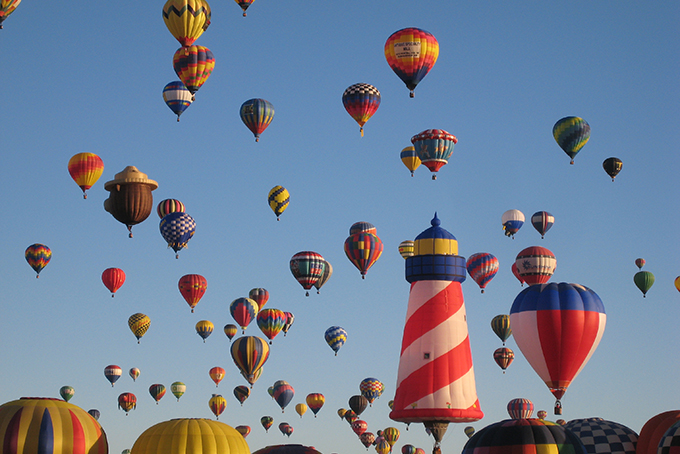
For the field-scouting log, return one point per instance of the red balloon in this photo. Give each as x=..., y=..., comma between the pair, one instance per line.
x=192, y=287
x=113, y=279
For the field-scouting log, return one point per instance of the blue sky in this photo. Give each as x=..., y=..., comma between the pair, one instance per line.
x=90, y=78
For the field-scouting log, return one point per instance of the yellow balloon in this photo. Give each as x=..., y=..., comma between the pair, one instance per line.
x=186, y=19
x=301, y=409
x=139, y=324
x=191, y=436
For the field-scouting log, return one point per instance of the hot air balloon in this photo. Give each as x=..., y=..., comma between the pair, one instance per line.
x=542, y=221
x=241, y=393
x=168, y=206
x=307, y=267
x=204, y=328
x=512, y=221
x=469, y=431
x=677, y=283
x=113, y=373
x=315, y=401
x=193, y=65
x=327, y=273
x=177, y=97
x=7, y=7
x=38, y=256
x=278, y=200
x=177, y=229
x=410, y=449
x=191, y=436
x=500, y=325
x=285, y=428
x=434, y=148
x=249, y=354
x=503, y=357
x=362, y=227
x=266, y=422
x=482, y=267
x=411, y=53
x=524, y=436
x=32, y=425
x=371, y=389
x=536, y=265
x=139, y=324
x=341, y=412
x=186, y=19
x=66, y=392
x=130, y=200
x=290, y=318
x=244, y=4
x=520, y=408
x=644, y=281
x=406, y=248
x=654, y=430
x=557, y=327
x=217, y=374
x=230, y=330
x=350, y=416
x=618, y=438
x=257, y=114
x=336, y=337
x=192, y=287
x=639, y=262
x=359, y=426
x=301, y=409
x=243, y=430
x=85, y=169
x=270, y=322
x=363, y=250
x=127, y=402
x=244, y=311
x=217, y=404
x=361, y=101
x=157, y=391
x=391, y=435
x=612, y=166
x=178, y=389
x=367, y=439
x=382, y=446
x=260, y=296
x=134, y=373
x=113, y=279
x=571, y=134
x=410, y=158
x=358, y=404
x=94, y=413
x=541, y=414
x=283, y=393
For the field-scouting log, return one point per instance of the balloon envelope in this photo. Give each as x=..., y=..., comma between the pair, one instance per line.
x=482, y=267
x=410, y=158
x=307, y=267
x=193, y=65
x=643, y=281
x=361, y=101
x=434, y=148
x=177, y=97
x=168, y=206
x=520, y=408
x=177, y=229
x=186, y=19
x=249, y=354
x=411, y=53
x=512, y=221
x=192, y=287
x=500, y=325
x=278, y=200
x=257, y=114
x=113, y=279
x=612, y=166
x=217, y=405
x=611, y=436
x=571, y=134
x=336, y=337
x=363, y=250
x=85, y=169
x=542, y=221
x=536, y=265
x=38, y=256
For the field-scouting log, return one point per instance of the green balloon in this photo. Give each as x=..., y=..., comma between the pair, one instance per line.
x=644, y=281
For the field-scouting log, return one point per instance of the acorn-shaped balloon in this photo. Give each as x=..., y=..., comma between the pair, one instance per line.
x=130, y=200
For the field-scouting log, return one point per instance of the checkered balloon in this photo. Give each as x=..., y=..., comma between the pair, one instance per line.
x=177, y=229
x=599, y=435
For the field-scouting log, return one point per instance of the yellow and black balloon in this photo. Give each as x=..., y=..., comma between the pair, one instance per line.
x=278, y=200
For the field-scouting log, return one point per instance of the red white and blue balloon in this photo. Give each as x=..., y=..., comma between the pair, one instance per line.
x=482, y=267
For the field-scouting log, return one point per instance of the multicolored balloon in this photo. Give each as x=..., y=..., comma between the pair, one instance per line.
x=283, y=393
x=362, y=227
x=139, y=324
x=177, y=97
x=536, y=264
x=307, y=267
x=371, y=388
x=243, y=430
x=469, y=431
x=84, y=168
x=168, y=206
x=270, y=322
x=241, y=393
x=411, y=53
x=327, y=273
x=217, y=405
x=612, y=166
x=336, y=337
x=257, y=114
x=434, y=148
x=315, y=401
x=367, y=439
x=127, y=402
x=193, y=65
x=177, y=229
x=157, y=391
x=230, y=330
x=503, y=357
x=557, y=327
x=515, y=272
x=204, y=328
x=244, y=311
x=482, y=267
x=192, y=287
x=113, y=279
x=391, y=435
x=512, y=221
x=406, y=249
x=7, y=7
x=66, y=392
x=361, y=101
x=500, y=325
x=542, y=221
x=186, y=19
x=94, y=413
x=571, y=134
x=113, y=373
x=410, y=158
x=359, y=427
x=178, y=389
x=643, y=281
x=520, y=408
x=266, y=422
x=38, y=256
x=286, y=428
x=278, y=200
x=363, y=250
x=640, y=262
x=244, y=4
x=260, y=296
x=217, y=374
x=541, y=414
x=134, y=373
x=249, y=354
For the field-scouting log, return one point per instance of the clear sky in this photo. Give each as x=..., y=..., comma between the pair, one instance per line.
x=88, y=76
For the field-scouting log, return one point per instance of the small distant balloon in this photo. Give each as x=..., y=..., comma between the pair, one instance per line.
x=94, y=413
x=307, y=268
x=639, y=262
x=260, y=296
x=434, y=148
x=177, y=229
x=157, y=391
x=361, y=101
x=406, y=248
x=139, y=324
x=113, y=373
x=127, y=402
x=290, y=318
x=541, y=414
x=469, y=431
x=278, y=200
x=244, y=4
x=336, y=337
x=257, y=114
x=134, y=373
x=500, y=325
x=192, y=287
x=230, y=330
x=193, y=65
x=217, y=405
x=178, y=389
x=503, y=357
x=38, y=256
x=84, y=168
x=177, y=97
x=168, y=206
x=113, y=279
x=266, y=422
x=315, y=401
x=542, y=221
x=66, y=392
x=204, y=328
x=482, y=267
x=520, y=408
x=327, y=273
x=571, y=134
x=612, y=166
x=411, y=53
x=217, y=374
x=643, y=281
x=410, y=158
x=512, y=221
x=241, y=393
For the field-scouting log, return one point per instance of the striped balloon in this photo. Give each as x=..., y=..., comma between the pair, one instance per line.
x=46, y=425
x=536, y=265
x=190, y=435
x=278, y=200
x=157, y=391
x=168, y=206
x=283, y=393
x=336, y=337
x=410, y=158
x=482, y=267
x=244, y=4
x=204, y=328
x=244, y=311
x=520, y=408
x=411, y=53
x=217, y=405
x=270, y=322
x=249, y=354
x=113, y=373
x=315, y=402
x=257, y=114
x=571, y=134
x=193, y=65
x=542, y=221
x=503, y=357
x=177, y=97
x=38, y=256
x=434, y=148
x=7, y=7
x=241, y=393
x=260, y=296
x=363, y=250
x=500, y=325
x=85, y=169
x=186, y=19
x=307, y=267
x=371, y=388
x=361, y=101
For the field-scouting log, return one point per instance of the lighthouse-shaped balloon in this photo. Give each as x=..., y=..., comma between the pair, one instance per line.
x=436, y=380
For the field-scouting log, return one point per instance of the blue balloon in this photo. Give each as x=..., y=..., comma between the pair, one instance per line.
x=177, y=228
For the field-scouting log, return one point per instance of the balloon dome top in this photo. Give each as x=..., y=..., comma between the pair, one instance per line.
x=130, y=175
x=435, y=240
